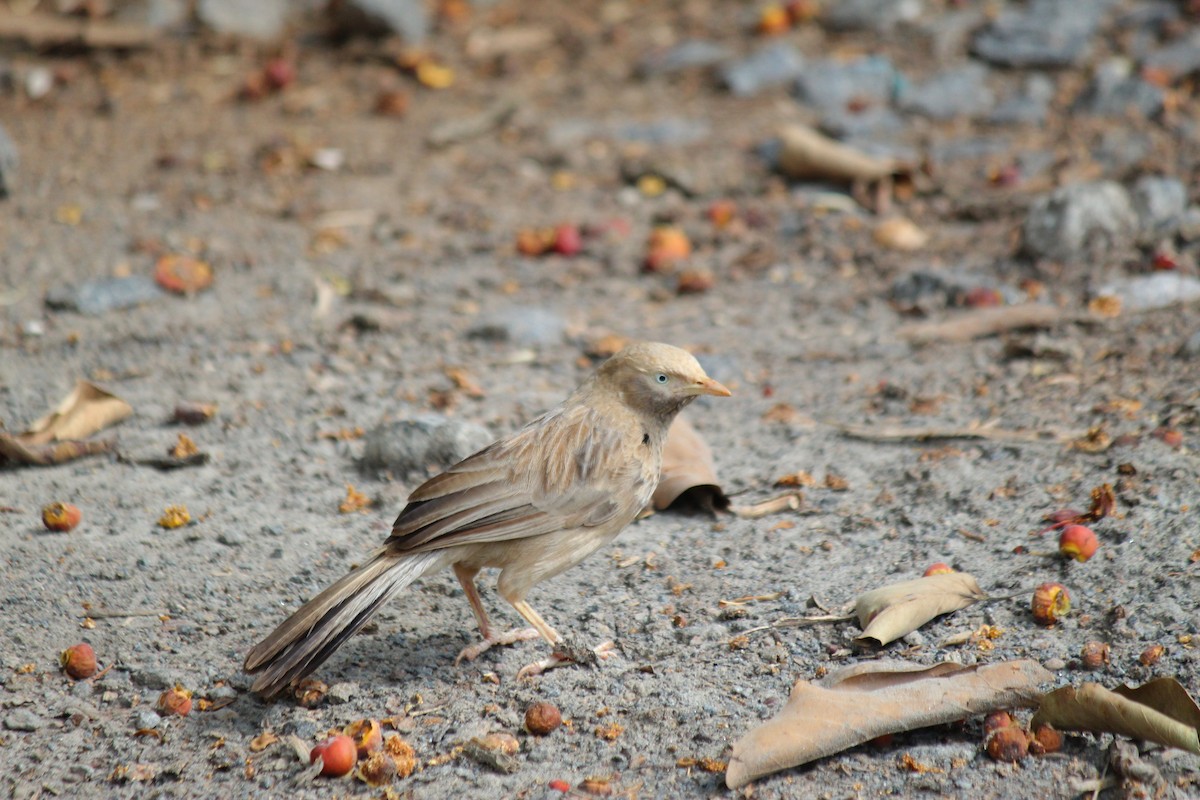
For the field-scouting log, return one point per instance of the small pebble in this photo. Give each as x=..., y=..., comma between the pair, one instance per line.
x=23, y=720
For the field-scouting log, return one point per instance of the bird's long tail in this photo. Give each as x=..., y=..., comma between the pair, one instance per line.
x=320, y=626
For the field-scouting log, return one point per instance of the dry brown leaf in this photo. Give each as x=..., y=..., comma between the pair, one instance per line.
x=806, y=154
x=856, y=705
x=889, y=612
x=86, y=410
x=1159, y=711
x=688, y=472
x=48, y=454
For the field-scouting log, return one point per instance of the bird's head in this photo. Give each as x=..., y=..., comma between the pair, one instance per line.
x=658, y=379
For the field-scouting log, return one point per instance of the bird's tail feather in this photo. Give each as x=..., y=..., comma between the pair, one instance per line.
x=320, y=626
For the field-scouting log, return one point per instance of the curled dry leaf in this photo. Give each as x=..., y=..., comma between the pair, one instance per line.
x=807, y=154
x=1159, y=711
x=889, y=612
x=86, y=410
x=900, y=234
x=868, y=700
x=688, y=473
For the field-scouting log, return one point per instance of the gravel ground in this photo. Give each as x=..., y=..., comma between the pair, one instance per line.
x=348, y=297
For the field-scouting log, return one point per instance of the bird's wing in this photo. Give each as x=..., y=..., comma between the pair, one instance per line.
x=563, y=470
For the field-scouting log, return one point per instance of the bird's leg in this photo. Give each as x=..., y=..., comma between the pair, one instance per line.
x=562, y=654
x=466, y=577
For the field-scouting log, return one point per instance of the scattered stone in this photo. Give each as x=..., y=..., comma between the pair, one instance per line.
x=153, y=678
x=832, y=85
x=851, y=123
x=1028, y=106
x=528, y=326
x=406, y=18
x=1191, y=347
x=341, y=693
x=1046, y=33
x=9, y=161
x=38, y=82
x=770, y=66
x=1079, y=220
x=105, y=294
x=232, y=538
x=1116, y=91
x=156, y=14
x=958, y=92
x=23, y=720
x=1156, y=290
x=669, y=131
x=876, y=15
x=264, y=19
x=426, y=440
x=146, y=719
x=1177, y=60
x=1189, y=225
x=691, y=54
x=222, y=692
x=1160, y=203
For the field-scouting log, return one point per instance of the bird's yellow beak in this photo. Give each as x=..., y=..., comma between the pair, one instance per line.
x=709, y=386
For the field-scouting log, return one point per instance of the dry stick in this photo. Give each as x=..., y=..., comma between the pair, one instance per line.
x=987, y=322
x=112, y=613
x=785, y=502
x=900, y=433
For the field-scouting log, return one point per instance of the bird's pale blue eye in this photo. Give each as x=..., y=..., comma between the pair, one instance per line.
x=661, y=378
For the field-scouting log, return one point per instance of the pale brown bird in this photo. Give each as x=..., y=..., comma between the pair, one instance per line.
x=532, y=505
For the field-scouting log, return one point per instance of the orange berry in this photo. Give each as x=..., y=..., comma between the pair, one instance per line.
x=1078, y=542
x=1045, y=739
x=338, y=755
x=177, y=702
x=667, y=246
x=78, y=661
x=938, y=568
x=61, y=517
x=774, y=20
x=542, y=718
x=1050, y=601
x=367, y=735
x=1008, y=744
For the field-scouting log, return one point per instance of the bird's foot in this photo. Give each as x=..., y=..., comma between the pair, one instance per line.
x=508, y=637
x=567, y=654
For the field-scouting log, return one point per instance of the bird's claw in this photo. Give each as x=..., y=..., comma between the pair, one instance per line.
x=508, y=637
x=567, y=654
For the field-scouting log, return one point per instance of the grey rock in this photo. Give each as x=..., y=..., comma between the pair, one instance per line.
x=1028, y=106
x=870, y=121
x=1176, y=60
x=1122, y=147
x=1189, y=225
x=876, y=15
x=528, y=326
x=105, y=294
x=23, y=720
x=1156, y=290
x=341, y=693
x=408, y=19
x=260, y=19
x=146, y=719
x=669, y=131
x=691, y=54
x=770, y=66
x=1116, y=90
x=1046, y=33
x=223, y=692
x=232, y=538
x=831, y=85
x=9, y=161
x=1075, y=221
x=153, y=678
x=955, y=93
x=426, y=440
x=1160, y=204
x=1191, y=346
x=157, y=14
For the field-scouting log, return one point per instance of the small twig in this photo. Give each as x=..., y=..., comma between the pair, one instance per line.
x=112, y=613
x=797, y=622
x=785, y=502
x=900, y=433
x=751, y=598
x=987, y=322
x=974, y=537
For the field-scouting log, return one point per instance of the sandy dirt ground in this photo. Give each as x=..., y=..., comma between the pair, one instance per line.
x=345, y=298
